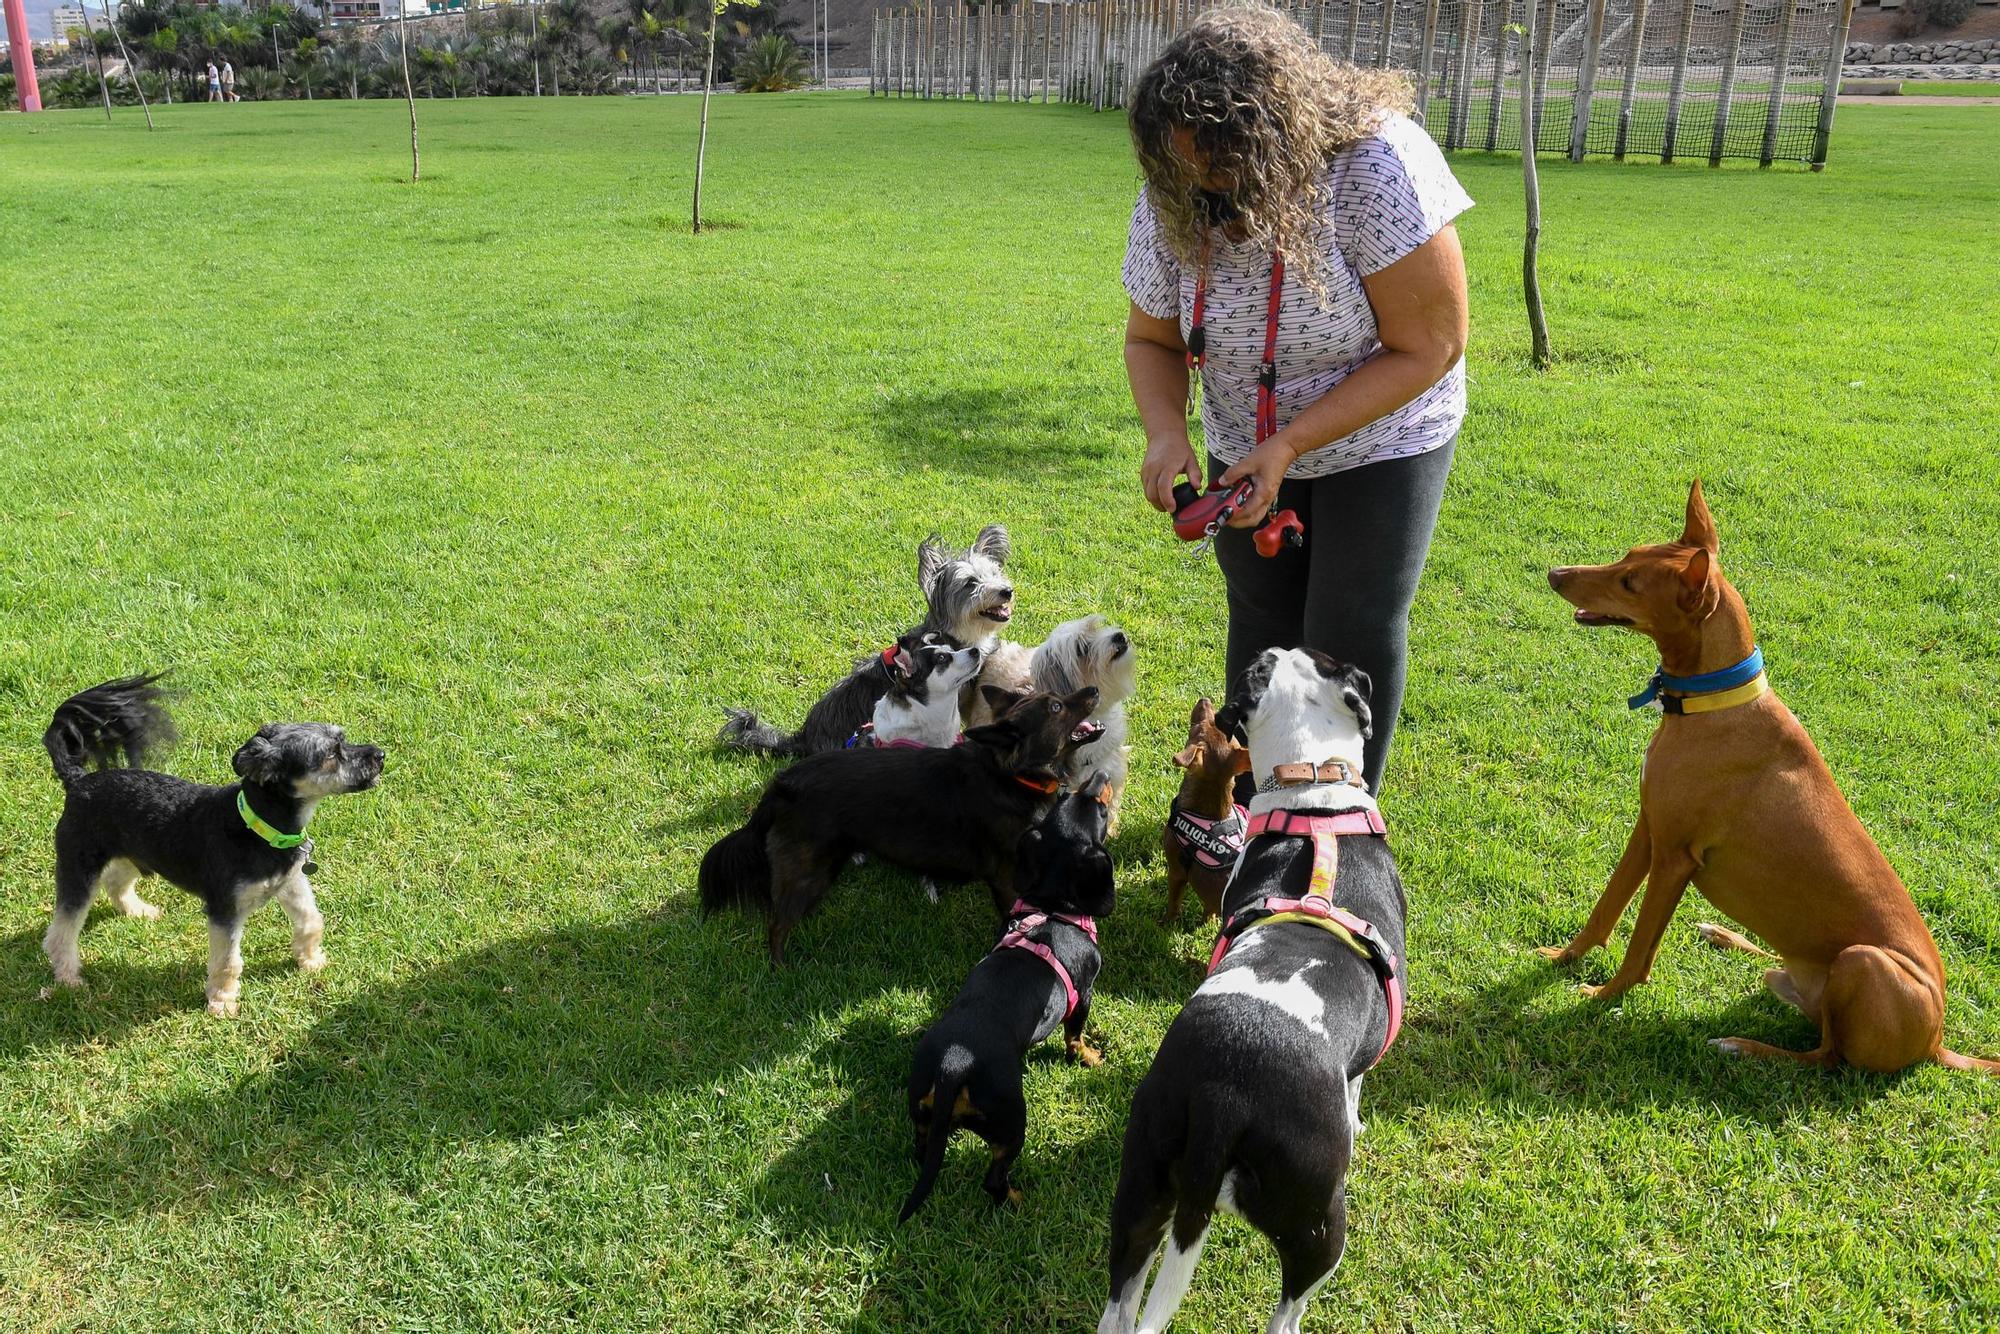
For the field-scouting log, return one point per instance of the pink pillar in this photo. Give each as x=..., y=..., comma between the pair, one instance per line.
x=23, y=52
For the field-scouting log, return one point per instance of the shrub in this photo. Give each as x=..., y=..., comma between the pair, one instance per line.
x=1918, y=15
x=771, y=65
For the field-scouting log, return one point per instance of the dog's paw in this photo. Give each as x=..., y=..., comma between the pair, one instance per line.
x=1727, y=1046
x=222, y=1007
x=1604, y=992
x=312, y=962
x=144, y=911
x=1014, y=1196
x=930, y=888
x=1557, y=954
x=1088, y=1055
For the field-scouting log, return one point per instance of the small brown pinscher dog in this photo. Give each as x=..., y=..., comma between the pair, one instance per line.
x=1204, y=831
x=1735, y=799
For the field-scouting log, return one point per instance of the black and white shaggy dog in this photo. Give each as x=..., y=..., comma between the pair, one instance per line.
x=952, y=814
x=1253, y=1101
x=967, y=596
x=921, y=706
x=234, y=847
x=968, y=1066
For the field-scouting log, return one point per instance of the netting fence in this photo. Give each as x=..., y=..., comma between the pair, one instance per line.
x=1671, y=79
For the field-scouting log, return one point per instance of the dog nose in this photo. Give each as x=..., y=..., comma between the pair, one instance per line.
x=1119, y=643
x=1007, y=592
x=1558, y=576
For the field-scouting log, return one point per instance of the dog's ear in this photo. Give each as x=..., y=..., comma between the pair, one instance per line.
x=931, y=560
x=1229, y=721
x=1096, y=883
x=1696, y=594
x=1233, y=716
x=993, y=542
x=1000, y=699
x=900, y=663
x=999, y=736
x=1700, y=528
x=1186, y=757
x=259, y=761
x=1355, y=692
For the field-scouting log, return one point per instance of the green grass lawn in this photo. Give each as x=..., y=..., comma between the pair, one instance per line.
x=1950, y=88
x=508, y=473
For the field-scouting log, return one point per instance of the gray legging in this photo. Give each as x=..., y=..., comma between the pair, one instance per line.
x=1348, y=592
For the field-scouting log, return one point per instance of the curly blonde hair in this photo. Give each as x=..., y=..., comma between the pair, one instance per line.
x=1267, y=110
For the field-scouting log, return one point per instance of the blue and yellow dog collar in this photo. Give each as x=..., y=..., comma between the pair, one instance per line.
x=1708, y=693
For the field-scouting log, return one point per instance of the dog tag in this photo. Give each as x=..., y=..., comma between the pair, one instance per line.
x=311, y=867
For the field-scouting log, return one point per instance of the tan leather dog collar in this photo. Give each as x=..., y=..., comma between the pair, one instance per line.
x=1304, y=773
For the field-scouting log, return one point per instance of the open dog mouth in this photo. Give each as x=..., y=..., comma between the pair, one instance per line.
x=1585, y=616
x=1086, y=732
x=1002, y=613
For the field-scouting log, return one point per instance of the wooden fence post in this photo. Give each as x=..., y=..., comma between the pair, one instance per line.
x=1677, y=88
x=1353, y=30
x=1586, y=84
x=1461, y=74
x=1424, y=60
x=1634, y=57
x=1497, y=97
x=1383, y=47
x=1831, y=88
x=1545, y=31
x=1727, y=93
x=1781, y=68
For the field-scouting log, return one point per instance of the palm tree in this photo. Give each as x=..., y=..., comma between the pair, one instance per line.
x=309, y=73
x=568, y=24
x=773, y=64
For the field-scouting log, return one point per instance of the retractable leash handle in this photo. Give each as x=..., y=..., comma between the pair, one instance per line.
x=1199, y=516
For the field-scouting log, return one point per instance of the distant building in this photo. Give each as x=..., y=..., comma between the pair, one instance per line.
x=65, y=17
x=348, y=11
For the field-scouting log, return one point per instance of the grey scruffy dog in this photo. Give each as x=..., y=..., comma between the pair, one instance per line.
x=968, y=597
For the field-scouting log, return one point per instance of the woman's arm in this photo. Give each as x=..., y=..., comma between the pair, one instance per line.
x=1156, y=365
x=1419, y=304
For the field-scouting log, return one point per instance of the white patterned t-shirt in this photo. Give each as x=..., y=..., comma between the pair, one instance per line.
x=1381, y=197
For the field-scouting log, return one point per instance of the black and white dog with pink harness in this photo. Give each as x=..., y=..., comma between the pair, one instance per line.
x=1253, y=1101
x=1038, y=978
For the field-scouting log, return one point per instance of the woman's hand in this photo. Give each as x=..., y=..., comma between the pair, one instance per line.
x=1265, y=466
x=1168, y=457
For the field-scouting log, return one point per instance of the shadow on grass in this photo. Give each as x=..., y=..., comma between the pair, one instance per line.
x=115, y=999
x=1498, y=1048
x=502, y=1042
x=843, y=1184
x=984, y=431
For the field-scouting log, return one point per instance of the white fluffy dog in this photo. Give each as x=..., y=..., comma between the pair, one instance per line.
x=1089, y=651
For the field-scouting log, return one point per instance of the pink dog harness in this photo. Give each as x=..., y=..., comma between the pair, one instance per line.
x=1021, y=919
x=1205, y=841
x=1317, y=906
x=865, y=739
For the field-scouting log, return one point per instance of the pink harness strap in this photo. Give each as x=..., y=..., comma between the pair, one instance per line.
x=1023, y=919
x=866, y=739
x=1207, y=841
x=1325, y=831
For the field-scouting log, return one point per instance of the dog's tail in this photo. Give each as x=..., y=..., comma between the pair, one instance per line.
x=1213, y=1128
x=736, y=873
x=1951, y=1060
x=115, y=725
x=952, y=1073
x=744, y=730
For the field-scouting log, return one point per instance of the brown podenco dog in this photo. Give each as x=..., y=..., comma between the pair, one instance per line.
x=1735, y=799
